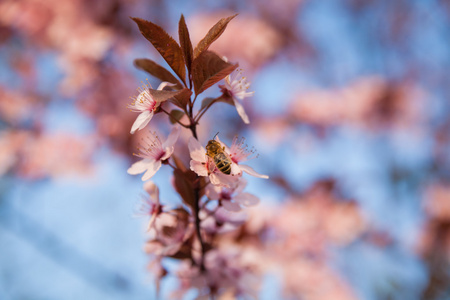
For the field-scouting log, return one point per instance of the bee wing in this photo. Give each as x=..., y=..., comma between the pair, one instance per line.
x=227, y=150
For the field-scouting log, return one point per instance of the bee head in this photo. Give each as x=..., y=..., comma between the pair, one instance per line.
x=212, y=148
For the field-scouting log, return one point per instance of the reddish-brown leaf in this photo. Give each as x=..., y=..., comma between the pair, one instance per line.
x=157, y=71
x=163, y=95
x=183, y=185
x=184, y=252
x=185, y=42
x=207, y=69
x=182, y=99
x=212, y=35
x=165, y=45
x=178, y=163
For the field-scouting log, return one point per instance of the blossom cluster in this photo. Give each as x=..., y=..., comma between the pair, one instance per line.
x=212, y=186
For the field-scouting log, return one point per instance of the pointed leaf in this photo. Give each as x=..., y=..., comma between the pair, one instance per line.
x=182, y=99
x=207, y=101
x=175, y=115
x=212, y=35
x=156, y=70
x=185, y=42
x=163, y=95
x=165, y=45
x=183, y=253
x=207, y=69
x=179, y=163
x=183, y=186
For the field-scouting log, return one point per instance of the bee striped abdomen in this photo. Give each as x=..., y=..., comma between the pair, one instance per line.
x=223, y=163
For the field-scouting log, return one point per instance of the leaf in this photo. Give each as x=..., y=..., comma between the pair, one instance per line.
x=182, y=99
x=212, y=35
x=207, y=101
x=179, y=163
x=184, y=187
x=168, y=231
x=183, y=253
x=165, y=45
x=175, y=115
x=185, y=42
x=163, y=95
x=207, y=69
x=157, y=71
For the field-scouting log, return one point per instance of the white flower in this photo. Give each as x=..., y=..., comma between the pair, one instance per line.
x=153, y=154
x=232, y=198
x=235, y=88
x=146, y=105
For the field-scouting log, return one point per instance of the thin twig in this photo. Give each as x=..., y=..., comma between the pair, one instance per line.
x=172, y=118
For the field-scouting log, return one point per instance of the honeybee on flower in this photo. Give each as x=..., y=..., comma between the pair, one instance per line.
x=204, y=165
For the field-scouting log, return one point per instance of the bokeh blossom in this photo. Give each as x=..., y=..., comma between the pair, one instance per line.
x=170, y=230
x=153, y=153
x=150, y=205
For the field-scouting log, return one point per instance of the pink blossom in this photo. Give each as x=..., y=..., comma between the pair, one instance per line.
x=151, y=206
x=235, y=89
x=171, y=229
x=146, y=105
x=221, y=220
x=203, y=165
x=238, y=153
x=226, y=273
x=232, y=198
x=153, y=154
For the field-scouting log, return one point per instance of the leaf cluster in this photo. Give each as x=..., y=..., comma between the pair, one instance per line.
x=197, y=68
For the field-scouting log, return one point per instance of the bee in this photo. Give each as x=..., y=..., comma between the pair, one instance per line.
x=219, y=156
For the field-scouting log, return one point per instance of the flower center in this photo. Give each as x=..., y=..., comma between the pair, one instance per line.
x=160, y=155
x=225, y=195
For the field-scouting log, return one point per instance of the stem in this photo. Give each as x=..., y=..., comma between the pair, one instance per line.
x=193, y=128
x=170, y=117
x=202, y=112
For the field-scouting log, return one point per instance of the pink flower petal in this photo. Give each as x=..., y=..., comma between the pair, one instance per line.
x=198, y=153
x=163, y=84
x=235, y=169
x=212, y=192
x=152, y=189
x=241, y=111
x=168, y=152
x=172, y=138
x=199, y=168
x=231, y=206
x=249, y=170
x=141, y=121
x=139, y=166
x=221, y=179
x=151, y=170
x=246, y=199
x=227, y=150
x=240, y=186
